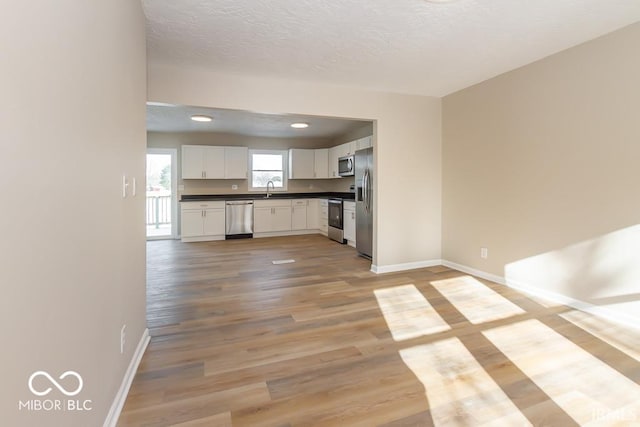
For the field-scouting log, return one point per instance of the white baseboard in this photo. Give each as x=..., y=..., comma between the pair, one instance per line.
x=378, y=269
x=121, y=396
x=201, y=239
x=285, y=233
x=474, y=272
x=603, y=312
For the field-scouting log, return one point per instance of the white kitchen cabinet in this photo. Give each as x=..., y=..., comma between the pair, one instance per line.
x=363, y=143
x=321, y=163
x=349, y=148
x=271, y=216
x=313, y=214
x=323, y=204
x=281, y=219
x=201, y=221
x=299, y=214
x=301, y=163
x=333, y=156
x=235, y=162
x=262, y=219
x=308, y=164
x=202, y=162
x=212, y=162
x=349, y=222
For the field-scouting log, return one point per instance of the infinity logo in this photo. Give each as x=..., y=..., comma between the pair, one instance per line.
x=55, y=383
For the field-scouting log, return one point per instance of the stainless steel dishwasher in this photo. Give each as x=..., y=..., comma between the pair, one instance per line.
x=239, y=219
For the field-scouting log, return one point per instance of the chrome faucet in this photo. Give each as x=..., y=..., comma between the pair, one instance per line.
x=273, y=186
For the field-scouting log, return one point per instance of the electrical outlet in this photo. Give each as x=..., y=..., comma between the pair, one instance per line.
x=484, y=253
x=123, y=338
x=234, y=187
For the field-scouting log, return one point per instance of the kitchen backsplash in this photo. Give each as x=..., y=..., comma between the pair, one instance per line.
x=223, y=186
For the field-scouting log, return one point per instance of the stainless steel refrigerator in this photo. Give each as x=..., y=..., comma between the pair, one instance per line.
x=364, y=201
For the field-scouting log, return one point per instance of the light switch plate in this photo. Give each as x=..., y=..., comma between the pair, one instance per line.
x=124, y=186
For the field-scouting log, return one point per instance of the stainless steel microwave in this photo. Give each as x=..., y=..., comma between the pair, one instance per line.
x=346, y=166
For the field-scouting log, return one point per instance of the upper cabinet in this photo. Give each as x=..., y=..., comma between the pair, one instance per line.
x=321, y=163
x=334, y=155
x=308, y=164
x=202, y=162
x=235, y=162
x=301, y=164
x=209, y=162
x=363, y=143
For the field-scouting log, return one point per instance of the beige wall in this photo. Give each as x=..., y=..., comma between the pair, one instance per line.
x=407, y=151
x=541, y=167
x=72, y=121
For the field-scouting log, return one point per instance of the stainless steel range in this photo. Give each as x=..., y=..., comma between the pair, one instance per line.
x=336, y=224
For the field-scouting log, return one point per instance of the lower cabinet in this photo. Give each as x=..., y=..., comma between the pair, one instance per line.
x=299, y=210
x=313, y=214
x=323, y=219
x=201, y=221
x=289, y=216
x=349, y=222
x=271, y=216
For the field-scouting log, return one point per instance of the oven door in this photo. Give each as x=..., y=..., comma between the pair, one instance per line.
x=334, y=231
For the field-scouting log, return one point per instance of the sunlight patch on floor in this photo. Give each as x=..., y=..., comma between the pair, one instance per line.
x=607, y=331
x=459, y=390
x=408, y=313
x=583, y=386
x=477, y=302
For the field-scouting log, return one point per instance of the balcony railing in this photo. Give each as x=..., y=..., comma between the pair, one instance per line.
x=158, y=210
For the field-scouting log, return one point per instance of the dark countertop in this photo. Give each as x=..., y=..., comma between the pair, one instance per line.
x=260, y=196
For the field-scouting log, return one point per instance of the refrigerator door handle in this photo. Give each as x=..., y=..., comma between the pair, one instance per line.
x=364, y=190
x=368, y=190
x=367, y=204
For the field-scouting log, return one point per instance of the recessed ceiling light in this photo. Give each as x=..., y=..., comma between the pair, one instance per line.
x=299, y=125
x=201, y=118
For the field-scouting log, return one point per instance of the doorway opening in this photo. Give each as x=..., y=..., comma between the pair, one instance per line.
x=161, y=200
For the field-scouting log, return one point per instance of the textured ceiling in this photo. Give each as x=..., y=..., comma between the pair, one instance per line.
x=175, y=118
x=407, y=46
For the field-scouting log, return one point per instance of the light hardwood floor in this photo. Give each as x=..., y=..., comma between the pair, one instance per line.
x=239, y=341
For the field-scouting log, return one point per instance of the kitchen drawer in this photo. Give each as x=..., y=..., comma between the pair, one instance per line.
x=272, y=203
x=202, y=205
x=349, y=206
x=300, y=202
